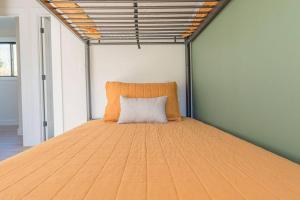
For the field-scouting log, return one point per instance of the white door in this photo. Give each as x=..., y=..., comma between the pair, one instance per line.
x=46, y=76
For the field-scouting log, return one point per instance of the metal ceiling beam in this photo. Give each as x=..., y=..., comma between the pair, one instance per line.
x=208, y=20
x=178, y=36
x=48, y=7
x=136, y=23
x=152, y=22
x=133, y=18
x=134, y=38
x=130, y=7
x=140, y=1
x=134, y=43
x=132, y=30
x=140, y=13
x=134, y=33
x=161, y=20
x=142, y=27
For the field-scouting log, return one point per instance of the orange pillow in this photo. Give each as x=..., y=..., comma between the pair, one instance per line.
x=140, y=90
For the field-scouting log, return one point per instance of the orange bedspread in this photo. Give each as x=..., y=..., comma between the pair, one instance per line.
x=181, y=160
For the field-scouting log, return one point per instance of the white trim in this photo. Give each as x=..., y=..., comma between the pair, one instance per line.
x=8, y=78
x=8, y=39
x=61, y=77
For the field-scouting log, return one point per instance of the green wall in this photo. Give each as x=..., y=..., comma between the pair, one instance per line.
x=246, y=74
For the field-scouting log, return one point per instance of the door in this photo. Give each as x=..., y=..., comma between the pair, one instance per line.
x=46, y=76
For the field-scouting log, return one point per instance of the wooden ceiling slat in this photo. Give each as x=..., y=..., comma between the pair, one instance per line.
x=92, y=19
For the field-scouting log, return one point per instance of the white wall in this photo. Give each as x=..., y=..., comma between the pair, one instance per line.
x=74, y=80
x=57, y=77
x=29, y=13
x=155, y=63
x=69, y=79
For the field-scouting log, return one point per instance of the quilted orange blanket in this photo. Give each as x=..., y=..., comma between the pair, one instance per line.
x=184, y=160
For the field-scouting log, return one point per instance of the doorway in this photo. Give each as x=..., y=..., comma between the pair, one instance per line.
x=11, y=140
x=46, y=78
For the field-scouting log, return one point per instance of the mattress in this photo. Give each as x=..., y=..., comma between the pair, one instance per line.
x=184, y=160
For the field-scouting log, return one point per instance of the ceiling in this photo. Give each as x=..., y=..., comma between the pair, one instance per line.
x=135, y=21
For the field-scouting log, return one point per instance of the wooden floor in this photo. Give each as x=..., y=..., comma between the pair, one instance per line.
x=10, y=142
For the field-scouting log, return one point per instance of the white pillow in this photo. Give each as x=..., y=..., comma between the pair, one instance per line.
x=139, y=110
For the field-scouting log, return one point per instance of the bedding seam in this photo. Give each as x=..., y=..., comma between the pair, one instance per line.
x=146, y=160
x=125, y=165
x=250, y=177
x=209, y=196
x=170, y=172
x=100, y=171
x=38, y=167
x=85, y=164
x=41, y=153
x=28, y=193
x=217, y=170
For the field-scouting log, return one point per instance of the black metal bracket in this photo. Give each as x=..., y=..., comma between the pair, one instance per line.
x=208, y=20
x=136, y=23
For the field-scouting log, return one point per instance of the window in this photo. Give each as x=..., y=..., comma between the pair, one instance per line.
x=8, y=60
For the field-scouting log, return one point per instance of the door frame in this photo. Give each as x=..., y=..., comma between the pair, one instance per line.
x=47, y=106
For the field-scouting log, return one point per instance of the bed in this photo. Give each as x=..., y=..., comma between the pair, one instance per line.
x=179, y=160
